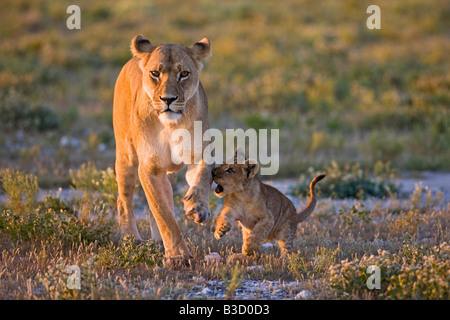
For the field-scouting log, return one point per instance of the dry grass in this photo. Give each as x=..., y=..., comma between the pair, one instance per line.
x=334, y=247
x=335, y=89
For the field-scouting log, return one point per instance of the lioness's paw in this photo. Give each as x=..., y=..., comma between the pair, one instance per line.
x=222, y=230
x=176, y=261
x=195, y=208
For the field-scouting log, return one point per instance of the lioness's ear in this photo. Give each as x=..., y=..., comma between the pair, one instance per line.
x=201, y=50
x=251, y=166
x=141, y=46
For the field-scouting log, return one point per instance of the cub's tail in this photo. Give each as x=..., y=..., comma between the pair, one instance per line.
x=302, y=215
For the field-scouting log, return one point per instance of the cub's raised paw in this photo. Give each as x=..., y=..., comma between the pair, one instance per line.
x=222, y=230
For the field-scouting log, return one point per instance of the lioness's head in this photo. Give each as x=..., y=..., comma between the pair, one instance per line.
x=233, y=177
x=170, y=74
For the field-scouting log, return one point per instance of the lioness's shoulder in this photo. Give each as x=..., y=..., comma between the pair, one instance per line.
x=131, y=68
x=130, y=76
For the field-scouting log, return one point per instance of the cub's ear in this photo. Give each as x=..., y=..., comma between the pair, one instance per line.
x=239, y=156
x=251, y=166
x=141, y=46
x=201, y=50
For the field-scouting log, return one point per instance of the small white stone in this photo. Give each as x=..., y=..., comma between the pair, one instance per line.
x=304, y=295
x=212, y=257
x=207, y=291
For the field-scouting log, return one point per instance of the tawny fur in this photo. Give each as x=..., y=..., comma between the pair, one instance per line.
x=143, y=125
x=263, y=212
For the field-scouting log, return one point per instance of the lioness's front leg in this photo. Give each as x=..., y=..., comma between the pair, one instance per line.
x=156, y=235
x=160, y=199
x=126, y=172
x=196, y=200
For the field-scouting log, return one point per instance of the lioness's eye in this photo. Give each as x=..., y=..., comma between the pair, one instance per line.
x=184, y=74
x=155, y=74
x=229, y=170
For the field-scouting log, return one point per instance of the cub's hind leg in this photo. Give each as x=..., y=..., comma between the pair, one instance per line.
x=285, y=238
x=254, y=240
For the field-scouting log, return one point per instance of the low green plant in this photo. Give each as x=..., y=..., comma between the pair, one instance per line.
x=234, y=283
x=96, y=182
x=53, y=227
x=21, y=189
x=129, y=254
x=344, y=182
x=56, y=204
x=19, y=114
x=355, y=215
x=405, y=223
x=300, y=266
x=418, y=201
x=415, y=272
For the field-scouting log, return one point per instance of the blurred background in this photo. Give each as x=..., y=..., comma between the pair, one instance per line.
x=335, y=89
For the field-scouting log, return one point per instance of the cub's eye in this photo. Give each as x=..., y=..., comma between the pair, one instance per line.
x=184, y=74
x=229, y=170
x=155, y=74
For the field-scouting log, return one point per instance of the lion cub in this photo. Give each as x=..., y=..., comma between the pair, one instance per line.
x=263, y=212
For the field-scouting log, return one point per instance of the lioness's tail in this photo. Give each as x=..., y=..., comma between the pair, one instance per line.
x=302, y=215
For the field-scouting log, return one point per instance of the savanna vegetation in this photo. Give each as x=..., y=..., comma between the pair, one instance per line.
x=336, y=89
x=361, y=105
x=407, y=239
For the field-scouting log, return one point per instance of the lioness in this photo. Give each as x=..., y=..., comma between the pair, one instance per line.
x=158, y=91
x=263, y=212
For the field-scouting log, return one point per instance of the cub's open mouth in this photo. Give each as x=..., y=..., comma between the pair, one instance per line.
x=219, y=189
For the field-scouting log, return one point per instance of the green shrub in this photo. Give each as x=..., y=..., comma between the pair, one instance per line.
x=300, y=266
x=129, y=254
x=405, y=223
x=53, y=227
x=344, y=182
x=355, y=215
x=21, y=189
x=93, y=181
x=55, y=204
x=17, y=113
x=415, y=272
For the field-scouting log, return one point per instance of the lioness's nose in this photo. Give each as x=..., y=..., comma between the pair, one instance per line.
x=168, y=100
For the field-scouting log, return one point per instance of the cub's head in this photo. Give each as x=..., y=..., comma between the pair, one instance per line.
x=170, y=74
x=233, y=177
